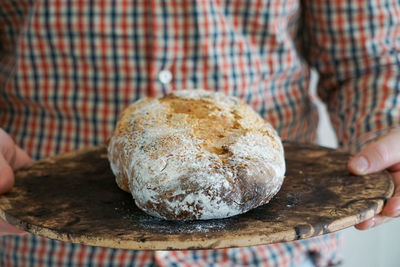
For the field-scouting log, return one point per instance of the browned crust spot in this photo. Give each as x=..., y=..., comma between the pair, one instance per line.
x=209, y=122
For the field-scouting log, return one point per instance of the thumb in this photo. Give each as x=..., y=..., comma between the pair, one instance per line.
x=20, y=159
x=377, y=156
x=11, y=158
x=6, y=175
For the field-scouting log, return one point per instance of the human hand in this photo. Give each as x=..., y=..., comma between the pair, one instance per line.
x=11, y=158
x=377, y=156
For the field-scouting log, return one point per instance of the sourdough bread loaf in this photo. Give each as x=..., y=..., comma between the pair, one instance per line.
x=195, y=154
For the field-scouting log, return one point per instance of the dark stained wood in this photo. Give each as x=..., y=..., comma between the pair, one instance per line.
x=73, y=197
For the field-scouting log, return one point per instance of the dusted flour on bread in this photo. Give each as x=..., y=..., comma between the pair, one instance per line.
x=195, y=154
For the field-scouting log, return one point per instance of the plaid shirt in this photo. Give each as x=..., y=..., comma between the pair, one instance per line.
x=68, y=67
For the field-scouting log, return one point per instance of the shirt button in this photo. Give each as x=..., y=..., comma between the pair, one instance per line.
x=165, y=76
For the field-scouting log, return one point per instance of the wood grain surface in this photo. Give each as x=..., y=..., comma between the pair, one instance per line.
x=73, y=197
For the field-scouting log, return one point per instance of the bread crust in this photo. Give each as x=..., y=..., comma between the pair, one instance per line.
x=195, y=154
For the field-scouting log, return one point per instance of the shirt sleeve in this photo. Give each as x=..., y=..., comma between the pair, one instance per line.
x=355, y=47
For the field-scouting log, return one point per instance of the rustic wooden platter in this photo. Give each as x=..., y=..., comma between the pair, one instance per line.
x=73, y=197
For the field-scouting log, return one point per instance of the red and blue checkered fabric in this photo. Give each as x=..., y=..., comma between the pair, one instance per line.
x=30, y=250
x=68, y=68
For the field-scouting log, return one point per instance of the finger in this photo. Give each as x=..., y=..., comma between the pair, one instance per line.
x=21, y=159
x=14, y=155
x=6, y=145
x=394, y=168
x=6, y=176
x=373, y=222
x=378, y=155
x=8, y=229
x=392, y=206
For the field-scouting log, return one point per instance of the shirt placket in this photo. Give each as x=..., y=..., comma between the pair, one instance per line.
x=158, y=45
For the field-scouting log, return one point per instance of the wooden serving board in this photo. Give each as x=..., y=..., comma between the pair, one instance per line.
x=73, y=197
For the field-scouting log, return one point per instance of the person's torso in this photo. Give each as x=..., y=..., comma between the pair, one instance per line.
x=79, y=63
